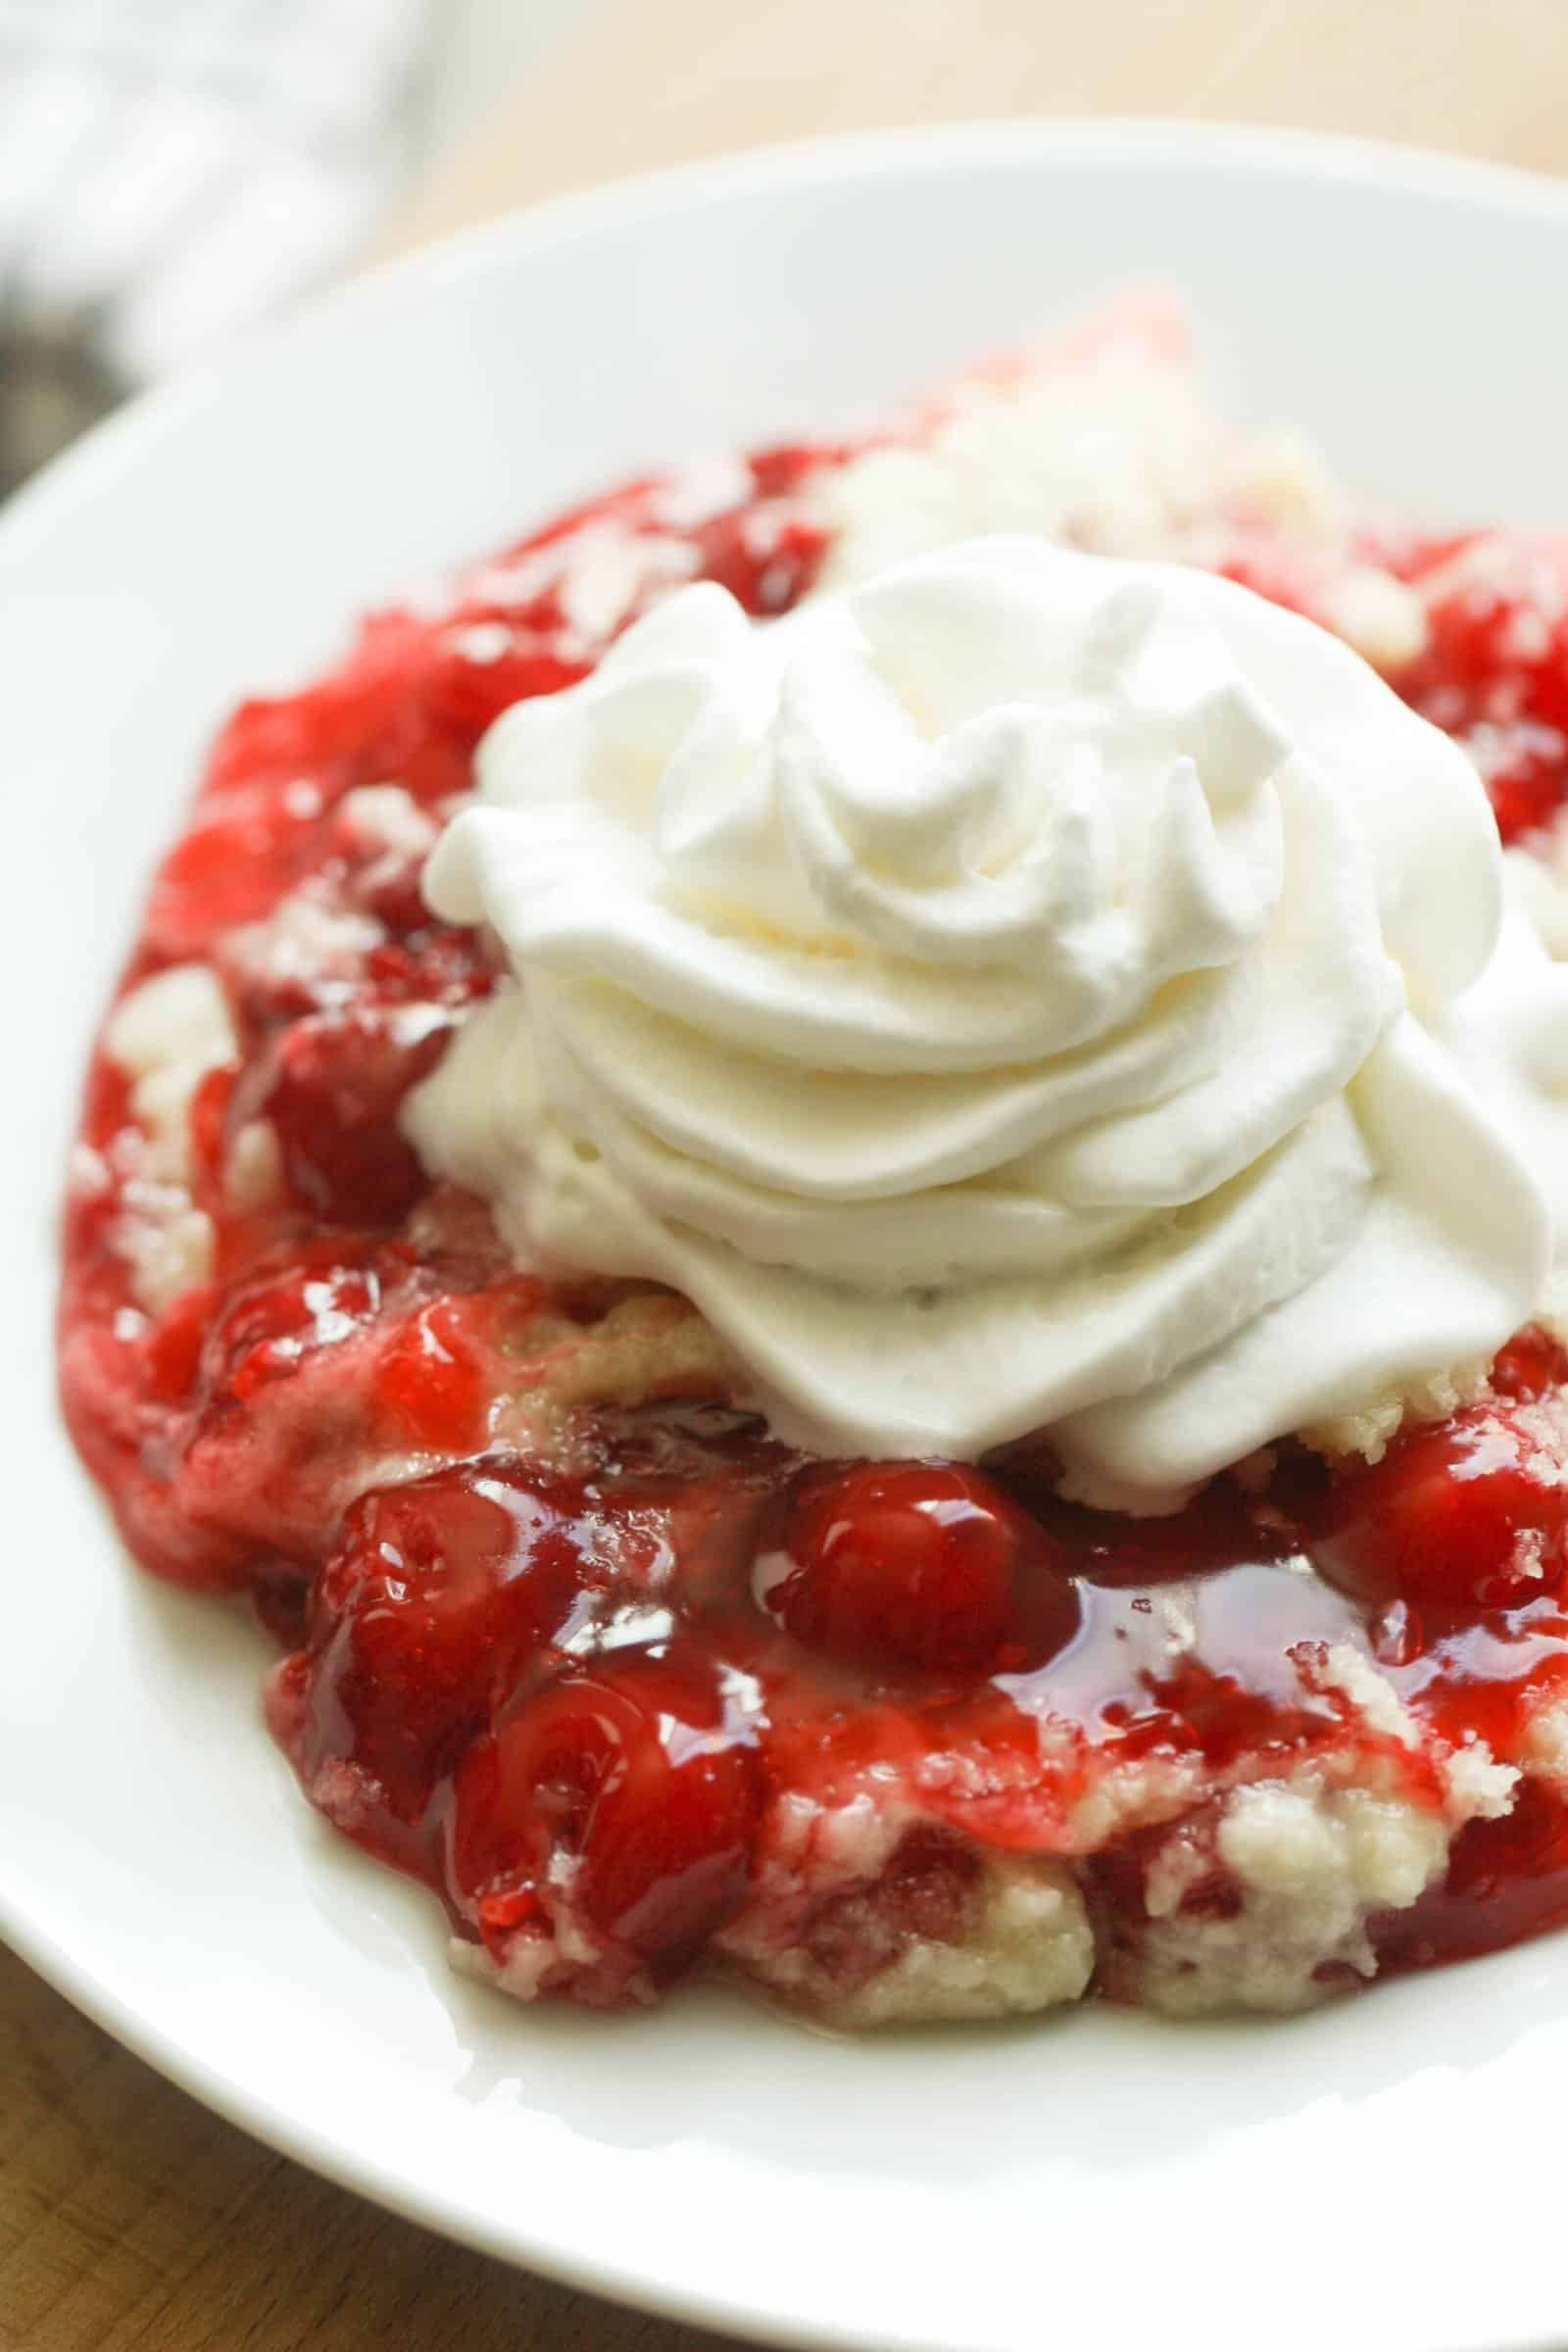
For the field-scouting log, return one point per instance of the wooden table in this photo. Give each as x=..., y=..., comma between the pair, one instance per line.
x=130, y=2219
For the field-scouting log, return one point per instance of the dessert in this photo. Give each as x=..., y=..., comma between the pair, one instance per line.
x=840, y=1187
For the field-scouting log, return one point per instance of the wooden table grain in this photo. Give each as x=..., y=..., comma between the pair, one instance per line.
x=130, y=2219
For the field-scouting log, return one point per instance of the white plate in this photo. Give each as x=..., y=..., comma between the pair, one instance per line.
x=1382, y=2173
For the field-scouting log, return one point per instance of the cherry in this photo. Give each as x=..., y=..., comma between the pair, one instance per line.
x=1524, y=767
x=1531, y=1364
x=466, y=696
x=786, y=465
x=317, y=1296
x=292, y=737
x=332, y=1085
x=246, y=848
x=439, y=964
x=1468, y=1512
x=632, y=1783
x=1494, y=670
x=765, y=570
x=1507, y=1879
x=174, y=1343
x=430, y=1382
x=106, y=1097
x=208, y=1128
x=919, y=1564
x=435, y=1598
x=1493, y=614
x=347, y=729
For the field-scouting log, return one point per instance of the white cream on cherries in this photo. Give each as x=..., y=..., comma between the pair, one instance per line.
x=1004, y=996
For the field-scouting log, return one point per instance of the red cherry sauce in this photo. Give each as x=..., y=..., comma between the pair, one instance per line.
x=568, y=1687
x=515, y=1684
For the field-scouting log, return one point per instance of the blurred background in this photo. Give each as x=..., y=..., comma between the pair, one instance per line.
x=172, y=171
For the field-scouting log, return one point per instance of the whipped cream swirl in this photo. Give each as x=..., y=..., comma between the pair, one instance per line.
x=1002, y=996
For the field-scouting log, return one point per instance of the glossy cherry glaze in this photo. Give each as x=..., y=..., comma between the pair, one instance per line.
x=523, y=1657
x=506, y=1670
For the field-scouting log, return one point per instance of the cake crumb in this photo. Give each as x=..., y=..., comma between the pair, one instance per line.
x=1369, y=1429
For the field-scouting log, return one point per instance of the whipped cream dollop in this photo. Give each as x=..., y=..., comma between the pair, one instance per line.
x=1004, y=996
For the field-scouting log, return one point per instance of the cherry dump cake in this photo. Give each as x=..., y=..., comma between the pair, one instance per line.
x=839, y=1187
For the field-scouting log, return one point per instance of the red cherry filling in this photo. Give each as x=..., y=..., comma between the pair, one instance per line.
x=174, y=1345
x=466, y=696
x=1506, y=1878
x=248, y=844
x=438, y=1595
x=918, y=1624
x=332, y=1085
x=1470, y=1513
x=924, y=1895
x=271, y=1324
x=917, y=1564
x=429, y=1382
x=628, y=1788
x=1495, y=671
x=1530, y=1366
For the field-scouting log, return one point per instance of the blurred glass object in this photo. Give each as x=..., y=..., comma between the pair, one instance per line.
x=169, y=169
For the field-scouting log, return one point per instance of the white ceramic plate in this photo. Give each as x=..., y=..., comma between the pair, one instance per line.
x=1384, y=2173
